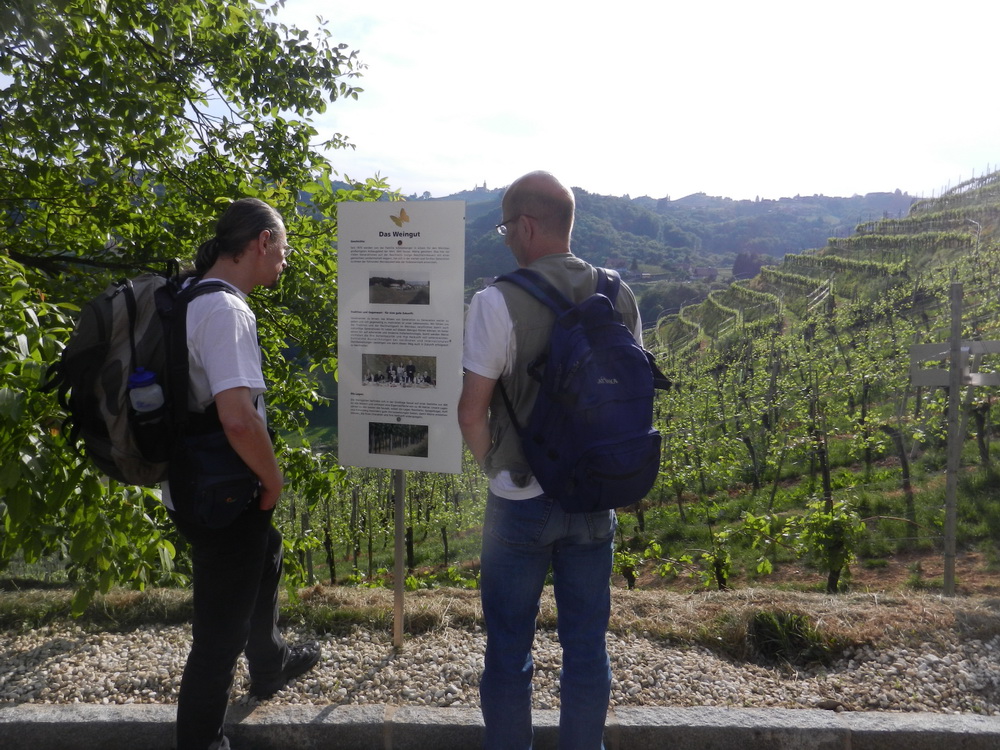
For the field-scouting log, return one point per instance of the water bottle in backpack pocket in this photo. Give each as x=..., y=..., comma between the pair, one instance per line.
x=146, y=414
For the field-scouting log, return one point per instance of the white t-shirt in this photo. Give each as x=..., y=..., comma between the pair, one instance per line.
x=223, y=352
x=489, y=349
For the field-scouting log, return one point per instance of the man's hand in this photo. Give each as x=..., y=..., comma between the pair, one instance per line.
x=269, y=496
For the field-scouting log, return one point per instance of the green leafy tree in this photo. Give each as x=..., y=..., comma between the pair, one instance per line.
x=127, y=126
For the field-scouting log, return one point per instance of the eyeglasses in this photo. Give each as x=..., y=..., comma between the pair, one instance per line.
x=502, y=226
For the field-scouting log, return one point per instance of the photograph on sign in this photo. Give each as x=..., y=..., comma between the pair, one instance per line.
x=394, y=370
x=386, y=290
x=401, y=309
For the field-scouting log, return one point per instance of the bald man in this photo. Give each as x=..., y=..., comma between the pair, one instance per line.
x=526, y=533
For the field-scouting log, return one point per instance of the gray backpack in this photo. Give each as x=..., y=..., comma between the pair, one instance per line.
x=136, y=324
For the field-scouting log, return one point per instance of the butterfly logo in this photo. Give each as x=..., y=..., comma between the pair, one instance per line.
x=401, y=219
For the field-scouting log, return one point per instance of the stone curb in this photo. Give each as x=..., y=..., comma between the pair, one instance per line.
x=373, y=727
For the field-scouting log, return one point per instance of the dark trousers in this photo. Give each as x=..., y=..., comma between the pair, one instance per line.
x=237, y=570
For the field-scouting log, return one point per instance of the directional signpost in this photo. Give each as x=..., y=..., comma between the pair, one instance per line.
x=963, y=359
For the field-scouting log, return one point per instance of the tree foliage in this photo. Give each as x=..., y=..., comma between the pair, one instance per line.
x=127, y=127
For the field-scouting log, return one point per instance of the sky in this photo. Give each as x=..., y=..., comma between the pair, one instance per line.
x=662, y=98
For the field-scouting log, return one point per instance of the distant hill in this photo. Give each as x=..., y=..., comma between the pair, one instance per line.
x=667, y=238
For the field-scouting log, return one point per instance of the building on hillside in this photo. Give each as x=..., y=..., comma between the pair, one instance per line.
x=703, y=273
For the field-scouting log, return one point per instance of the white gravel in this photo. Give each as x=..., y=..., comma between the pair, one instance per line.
x=65, y=664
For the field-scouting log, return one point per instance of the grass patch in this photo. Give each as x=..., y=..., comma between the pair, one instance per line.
x=774, y=636
x=875, y=563
x=120, y=609
x=753, y=624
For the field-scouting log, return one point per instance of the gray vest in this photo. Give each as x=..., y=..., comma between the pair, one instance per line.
x=532, y=320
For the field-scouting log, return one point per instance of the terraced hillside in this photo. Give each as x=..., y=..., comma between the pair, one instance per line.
x=953, y=233
x=795, y=431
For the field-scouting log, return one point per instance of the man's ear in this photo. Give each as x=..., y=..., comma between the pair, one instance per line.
x=527, y=228
x=531, y=227
x=262, y=240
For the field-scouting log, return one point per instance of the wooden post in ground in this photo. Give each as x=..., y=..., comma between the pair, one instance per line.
x=954, y=440
x=399, y=577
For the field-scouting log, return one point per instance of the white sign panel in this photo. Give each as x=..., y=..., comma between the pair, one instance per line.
x=401, y=268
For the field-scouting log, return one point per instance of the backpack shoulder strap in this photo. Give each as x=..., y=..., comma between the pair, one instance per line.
x=126, y=288
x=608, y=283
x=542, y=290
x=178, y=348
x=538, y=287
x=197, y=288
x=510, y=408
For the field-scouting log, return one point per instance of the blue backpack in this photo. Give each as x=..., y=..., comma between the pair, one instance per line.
x=590, y=440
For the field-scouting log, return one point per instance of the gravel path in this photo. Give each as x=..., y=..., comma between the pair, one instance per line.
x=66, y=664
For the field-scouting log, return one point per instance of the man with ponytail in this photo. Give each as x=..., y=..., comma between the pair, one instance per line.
x=237, y=566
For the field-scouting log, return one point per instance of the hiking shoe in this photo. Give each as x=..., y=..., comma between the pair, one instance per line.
x=301, y=659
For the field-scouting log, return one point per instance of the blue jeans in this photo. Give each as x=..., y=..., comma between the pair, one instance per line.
x=237, y=570
x=522, y=539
